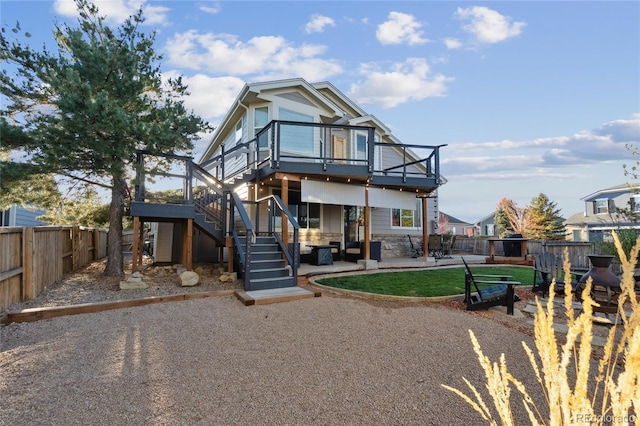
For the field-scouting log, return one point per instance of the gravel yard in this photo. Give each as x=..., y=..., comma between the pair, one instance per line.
x=327, y=360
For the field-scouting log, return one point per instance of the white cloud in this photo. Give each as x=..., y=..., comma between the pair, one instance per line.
x=489, y=26
x=264, y=56
x=318, y=23
x=400, y=28
x=604, y=144
x=209, y=97
x=452, y=43
x=117, y=11
x=407, y=81
x=210, y=7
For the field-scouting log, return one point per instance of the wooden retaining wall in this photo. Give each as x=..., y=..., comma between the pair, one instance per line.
x=35, y=257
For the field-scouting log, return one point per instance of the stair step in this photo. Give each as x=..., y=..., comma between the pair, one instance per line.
x=269, y=273
x=267, y=263
x=267, y=283
x=266, y=255
x=261, y=248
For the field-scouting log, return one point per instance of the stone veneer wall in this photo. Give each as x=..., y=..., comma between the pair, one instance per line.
x=396, y=246
x=393, y=246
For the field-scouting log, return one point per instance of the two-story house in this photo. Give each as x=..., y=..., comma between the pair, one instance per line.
x=600, y=215
x=302, y=163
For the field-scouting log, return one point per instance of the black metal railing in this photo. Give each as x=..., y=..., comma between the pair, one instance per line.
x=412, y=165
x=290, y=141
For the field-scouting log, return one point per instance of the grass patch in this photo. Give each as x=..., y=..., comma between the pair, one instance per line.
x=424, y=283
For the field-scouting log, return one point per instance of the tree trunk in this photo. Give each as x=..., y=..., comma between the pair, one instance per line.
x=115, y=258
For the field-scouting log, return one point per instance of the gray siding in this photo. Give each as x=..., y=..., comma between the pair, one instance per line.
x=381, y=221
x=19, y=216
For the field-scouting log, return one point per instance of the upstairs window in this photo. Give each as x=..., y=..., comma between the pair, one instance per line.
x=261, y=119
x=239, y=131
x=603, y=206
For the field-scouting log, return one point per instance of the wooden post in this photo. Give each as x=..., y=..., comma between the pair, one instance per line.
x=141, y=250
x=229, y=244
x=136, y=242
x=425, y=228
x=285, y=220
x=367, y=218
x=28, y=279
x=96, y=244
x=187, y=246
x=75, y=247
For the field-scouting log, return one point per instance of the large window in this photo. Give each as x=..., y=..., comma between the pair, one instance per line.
x=307, y=214
x=295, y=138
x=405, y=218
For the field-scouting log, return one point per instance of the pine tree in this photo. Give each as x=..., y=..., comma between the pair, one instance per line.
x=546, y=223
x=86, y=109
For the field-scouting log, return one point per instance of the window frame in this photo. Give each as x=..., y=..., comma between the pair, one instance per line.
x=416, y=217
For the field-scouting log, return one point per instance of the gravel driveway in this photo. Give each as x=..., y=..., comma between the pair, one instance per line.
x=328, y=360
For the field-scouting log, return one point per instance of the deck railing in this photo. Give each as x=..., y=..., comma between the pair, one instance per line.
x=289, y=141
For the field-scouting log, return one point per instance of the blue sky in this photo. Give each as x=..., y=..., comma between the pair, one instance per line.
x=530, y=97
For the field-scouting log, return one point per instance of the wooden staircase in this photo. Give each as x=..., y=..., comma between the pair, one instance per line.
x=217, y=210
x=267, y=267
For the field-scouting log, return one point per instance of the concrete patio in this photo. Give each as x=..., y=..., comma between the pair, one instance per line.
x=307, y=269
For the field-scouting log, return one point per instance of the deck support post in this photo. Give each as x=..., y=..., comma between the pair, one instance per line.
x=367, y=228
x=187, y=246
x=425, y=228
x=136, y=244
x=140, y=250
x=230, y=251
x=285, y=220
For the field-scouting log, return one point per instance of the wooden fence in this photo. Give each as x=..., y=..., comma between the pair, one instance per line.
x=578, y=251
x=35, y=257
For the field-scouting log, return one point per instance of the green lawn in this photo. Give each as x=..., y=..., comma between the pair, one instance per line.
x=424, y=283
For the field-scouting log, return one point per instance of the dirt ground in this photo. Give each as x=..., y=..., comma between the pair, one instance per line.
x=89, y=285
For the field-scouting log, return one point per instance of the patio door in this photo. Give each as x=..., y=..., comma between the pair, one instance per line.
x=353, y=231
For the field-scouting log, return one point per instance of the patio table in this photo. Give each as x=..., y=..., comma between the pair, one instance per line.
x=321, y=254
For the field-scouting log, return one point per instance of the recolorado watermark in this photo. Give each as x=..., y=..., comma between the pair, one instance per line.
x=605, y=419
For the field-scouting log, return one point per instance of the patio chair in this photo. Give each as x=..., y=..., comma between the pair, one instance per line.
x=416, y=250
x=447, y=248
x=495, y=290
x=435, y=246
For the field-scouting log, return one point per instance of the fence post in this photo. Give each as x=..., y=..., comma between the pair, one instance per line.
x=28, y=284
x=96, y=244
x=75, y=247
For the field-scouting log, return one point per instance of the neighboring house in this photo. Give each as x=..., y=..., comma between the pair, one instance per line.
x=20, y=216
x=600, y=215
x=454, y=226
x=340, y=172
x=487, y=226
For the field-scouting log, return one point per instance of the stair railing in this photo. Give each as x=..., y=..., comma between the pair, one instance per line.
x=278, y=214
x=243, y=222
x=209, y=199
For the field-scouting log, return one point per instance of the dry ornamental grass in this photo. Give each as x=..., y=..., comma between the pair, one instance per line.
x=563, y=370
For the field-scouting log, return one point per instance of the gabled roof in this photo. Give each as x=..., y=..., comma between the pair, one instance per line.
x=254, y=91
x=612, y=192
x=490, y=216
x=453, y=220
